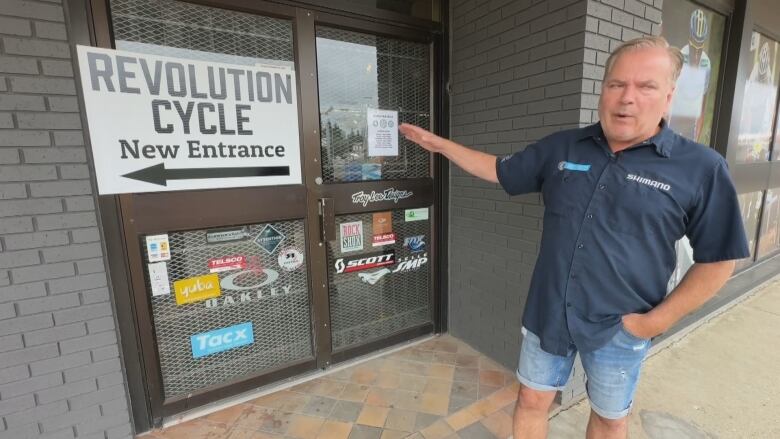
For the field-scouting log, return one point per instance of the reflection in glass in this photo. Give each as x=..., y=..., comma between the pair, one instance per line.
x=769, y=238
x=698, y=32
x=758, y=104
x=684, y=262
x=750, y=207
x=358, y=73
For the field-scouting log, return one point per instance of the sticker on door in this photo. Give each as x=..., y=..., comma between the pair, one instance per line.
x=220, y=340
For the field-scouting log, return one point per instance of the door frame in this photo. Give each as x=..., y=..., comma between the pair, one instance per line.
x=123, y=217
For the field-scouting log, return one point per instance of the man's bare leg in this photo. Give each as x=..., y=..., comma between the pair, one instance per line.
x=531, y=413
x=602, y=428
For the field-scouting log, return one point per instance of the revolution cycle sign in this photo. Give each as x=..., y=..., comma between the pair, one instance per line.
x=160, y=123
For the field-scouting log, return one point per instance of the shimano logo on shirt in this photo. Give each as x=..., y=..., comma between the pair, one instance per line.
x=648, y=182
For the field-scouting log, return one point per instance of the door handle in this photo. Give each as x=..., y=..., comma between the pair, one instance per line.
x=327, y=220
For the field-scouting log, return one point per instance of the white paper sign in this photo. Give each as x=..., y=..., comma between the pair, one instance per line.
x=382, y=133
x=158, y=248
x=158, y=278
x=162, y=123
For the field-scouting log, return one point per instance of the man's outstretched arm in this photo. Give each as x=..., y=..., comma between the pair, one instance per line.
x=476, y=163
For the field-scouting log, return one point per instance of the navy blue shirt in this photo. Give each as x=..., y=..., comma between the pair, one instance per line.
x=610, y=225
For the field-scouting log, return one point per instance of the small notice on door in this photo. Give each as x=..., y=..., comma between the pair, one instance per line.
x=158, y=278
x=382, y=133
x=158, y=248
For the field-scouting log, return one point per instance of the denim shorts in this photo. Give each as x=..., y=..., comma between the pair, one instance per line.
x=612, y=371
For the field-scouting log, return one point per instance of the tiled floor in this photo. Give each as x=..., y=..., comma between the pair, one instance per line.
x=439, y=389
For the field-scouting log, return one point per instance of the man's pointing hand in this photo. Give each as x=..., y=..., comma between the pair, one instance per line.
x=422, y=137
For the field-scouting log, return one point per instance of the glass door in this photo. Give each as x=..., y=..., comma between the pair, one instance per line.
x=376, y=185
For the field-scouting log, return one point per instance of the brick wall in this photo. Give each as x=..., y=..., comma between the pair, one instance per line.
x=520, y=70
x=60, y=371
x=516, y=77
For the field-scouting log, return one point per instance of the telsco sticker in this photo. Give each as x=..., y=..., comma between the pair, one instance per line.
x=220, y=340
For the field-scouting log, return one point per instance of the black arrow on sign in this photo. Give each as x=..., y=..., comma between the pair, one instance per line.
x=157, y=174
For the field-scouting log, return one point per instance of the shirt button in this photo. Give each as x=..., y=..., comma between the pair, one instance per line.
x=590, y=216
x=602, y=186
x=568, y=304
x=580, y=245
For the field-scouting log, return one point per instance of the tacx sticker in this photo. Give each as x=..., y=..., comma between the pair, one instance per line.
x=573, y=166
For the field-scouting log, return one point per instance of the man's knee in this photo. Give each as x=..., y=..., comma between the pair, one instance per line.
x=530, y=399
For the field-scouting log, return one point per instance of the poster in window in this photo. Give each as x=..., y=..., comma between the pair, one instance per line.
x=698, y=32
x=750, y=208
x=776, y=145
x=758, y=103
x=769, y=238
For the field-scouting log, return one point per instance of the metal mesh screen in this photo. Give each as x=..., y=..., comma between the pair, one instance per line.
x=357, y=72
x=361, y=311
x=279, y=311
x=199, y=32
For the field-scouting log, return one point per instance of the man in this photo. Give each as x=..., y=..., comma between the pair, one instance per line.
x=617, y=195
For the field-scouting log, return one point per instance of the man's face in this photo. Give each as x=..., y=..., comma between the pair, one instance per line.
x=635, y=95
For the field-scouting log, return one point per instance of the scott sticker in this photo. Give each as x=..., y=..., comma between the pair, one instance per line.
x=365, y=262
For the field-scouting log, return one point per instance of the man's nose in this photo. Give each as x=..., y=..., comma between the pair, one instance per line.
x=628, y=95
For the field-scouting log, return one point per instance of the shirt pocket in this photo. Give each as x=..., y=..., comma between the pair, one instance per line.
x=641, y=210
x=567, y=192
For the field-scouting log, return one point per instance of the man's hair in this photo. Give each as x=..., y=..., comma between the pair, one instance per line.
x=675, y=56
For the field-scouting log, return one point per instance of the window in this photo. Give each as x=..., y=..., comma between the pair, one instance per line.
x=759, y=101
x=698, y=32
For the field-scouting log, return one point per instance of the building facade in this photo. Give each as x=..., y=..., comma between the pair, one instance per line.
x=202, y=198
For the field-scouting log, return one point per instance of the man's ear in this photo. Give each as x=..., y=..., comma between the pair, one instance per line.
x=670, y=96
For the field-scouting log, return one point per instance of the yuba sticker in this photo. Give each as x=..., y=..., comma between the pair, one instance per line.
x=195, y=289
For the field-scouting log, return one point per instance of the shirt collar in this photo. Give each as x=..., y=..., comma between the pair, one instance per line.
x=663, y=141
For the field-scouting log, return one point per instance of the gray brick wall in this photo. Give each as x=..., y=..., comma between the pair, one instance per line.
x=521, y=69
x=60, y=371
x=516, y=77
